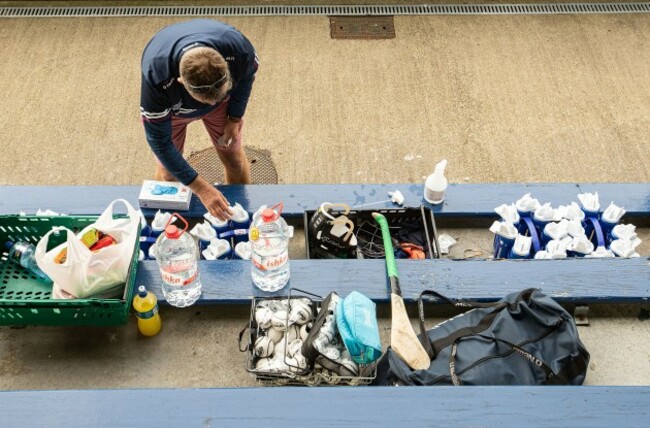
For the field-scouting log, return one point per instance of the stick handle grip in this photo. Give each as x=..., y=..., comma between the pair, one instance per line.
x=391, y=266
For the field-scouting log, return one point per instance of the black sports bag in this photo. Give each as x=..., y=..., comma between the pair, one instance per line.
x=524, y=339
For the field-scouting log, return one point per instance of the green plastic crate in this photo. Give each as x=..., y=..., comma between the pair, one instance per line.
x=25, y=299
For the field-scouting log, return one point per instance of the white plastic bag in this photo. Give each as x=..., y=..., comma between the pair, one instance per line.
x=85, y=273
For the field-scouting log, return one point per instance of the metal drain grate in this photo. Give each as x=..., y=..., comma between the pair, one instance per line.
x=374, y=10
x=362, y=27
x=207, y=163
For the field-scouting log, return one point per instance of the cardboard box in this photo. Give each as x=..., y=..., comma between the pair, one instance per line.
x=167, y=195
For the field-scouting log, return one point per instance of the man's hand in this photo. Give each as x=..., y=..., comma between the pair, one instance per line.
x=212, y=199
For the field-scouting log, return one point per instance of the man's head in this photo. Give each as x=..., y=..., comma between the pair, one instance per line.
x=205, y=75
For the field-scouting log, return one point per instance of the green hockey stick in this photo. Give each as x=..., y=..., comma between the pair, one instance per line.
x=403, y=339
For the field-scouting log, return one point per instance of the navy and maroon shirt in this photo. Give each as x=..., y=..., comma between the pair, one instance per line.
x=163, y=96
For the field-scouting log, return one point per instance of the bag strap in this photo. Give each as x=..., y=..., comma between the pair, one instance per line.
x=107, y=216
x=73, y=244
x=433, y=348
x=246, y=347
x=552, y=378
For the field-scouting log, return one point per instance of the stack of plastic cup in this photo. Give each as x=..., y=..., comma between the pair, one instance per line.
x=243, y=251
x=574, y=230
x=146, y=240
x=220, y=226
x=204, y=232
x=504, y=238
x=543, y=216
x=159, y=222
x=239, y=223
x=219, y=249
x=610, y=218
x=521, y=248
x=580, y=247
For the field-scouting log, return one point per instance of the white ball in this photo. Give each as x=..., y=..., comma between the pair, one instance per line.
x=348, y=363
x=293, y=365
x=280, y=349
x=263, y=346
x=278, y=365
x=279, y=320
x=275, y=335
x=293, y=333
x=300, y=313
x=263, y=304
x=263, y=317
x=279, y=305
x=331, y=353
x=304, y=331
x=301, y=360
x=294, y=347
x=264, y=364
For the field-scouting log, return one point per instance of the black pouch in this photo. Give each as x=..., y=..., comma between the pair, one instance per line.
x=311, y=345
x=524, y=339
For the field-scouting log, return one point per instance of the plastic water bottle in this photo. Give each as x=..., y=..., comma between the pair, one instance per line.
x=269, y=236
x=177, y=254
x=436, y=184
x=22, y=253
x=146, y=310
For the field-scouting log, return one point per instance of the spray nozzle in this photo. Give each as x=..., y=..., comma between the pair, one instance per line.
x=440, y=167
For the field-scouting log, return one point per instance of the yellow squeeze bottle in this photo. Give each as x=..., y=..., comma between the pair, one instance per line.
x=146, y=310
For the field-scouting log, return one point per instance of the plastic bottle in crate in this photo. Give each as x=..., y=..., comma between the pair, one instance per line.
x=22, y=253
x=146, y=310
x=177, y=254
x=269, y=236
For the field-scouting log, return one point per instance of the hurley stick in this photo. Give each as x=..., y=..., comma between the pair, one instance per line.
x=403, y=339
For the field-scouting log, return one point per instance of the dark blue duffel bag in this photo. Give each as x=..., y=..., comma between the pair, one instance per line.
x=524, y=339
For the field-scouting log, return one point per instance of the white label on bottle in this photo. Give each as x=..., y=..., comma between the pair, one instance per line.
x=180, y=278
x=272, y=262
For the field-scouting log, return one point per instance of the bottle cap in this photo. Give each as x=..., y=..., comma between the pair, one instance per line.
x=173, y=232
x=9, y=244
x=142, y=291
x=267, y=215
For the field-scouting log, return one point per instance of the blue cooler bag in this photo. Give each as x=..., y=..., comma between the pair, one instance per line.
x=356, y=320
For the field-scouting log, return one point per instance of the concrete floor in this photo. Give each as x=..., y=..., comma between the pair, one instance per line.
x=504, y=98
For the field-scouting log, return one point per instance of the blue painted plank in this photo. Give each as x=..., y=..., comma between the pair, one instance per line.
x=589, y=407
x=72, y=200
x=568, y=281
x=462, y=199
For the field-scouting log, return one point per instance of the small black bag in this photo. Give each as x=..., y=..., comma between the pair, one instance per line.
x=309, y=348
x=524, y=339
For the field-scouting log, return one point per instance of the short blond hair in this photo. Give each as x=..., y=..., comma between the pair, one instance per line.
x=204, y=66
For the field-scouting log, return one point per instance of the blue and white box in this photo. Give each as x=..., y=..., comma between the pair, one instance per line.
x=166, y=195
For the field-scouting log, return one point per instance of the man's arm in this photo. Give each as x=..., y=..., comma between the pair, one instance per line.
x=159, y=138
x=158, y=131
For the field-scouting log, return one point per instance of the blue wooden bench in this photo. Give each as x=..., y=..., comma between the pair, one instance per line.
x=574, y=281
x=589, y=407
x=463, y=200
x=228, y=282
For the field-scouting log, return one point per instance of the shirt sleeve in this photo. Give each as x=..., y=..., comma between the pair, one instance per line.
x=242, y=92
x=159, y=137
x=154, y=104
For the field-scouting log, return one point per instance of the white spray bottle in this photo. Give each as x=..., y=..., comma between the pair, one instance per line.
x=436, y=184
